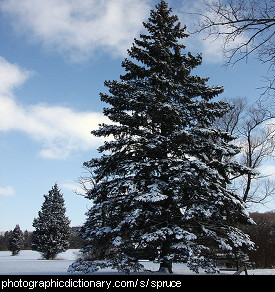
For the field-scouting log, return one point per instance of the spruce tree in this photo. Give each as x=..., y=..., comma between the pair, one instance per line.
x=52, y=230
x=16, y=239
x=160, y=183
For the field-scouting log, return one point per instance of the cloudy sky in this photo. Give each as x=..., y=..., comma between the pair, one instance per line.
x=54, y=59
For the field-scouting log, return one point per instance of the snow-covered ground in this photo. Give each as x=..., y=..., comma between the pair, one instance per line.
x=30, y=263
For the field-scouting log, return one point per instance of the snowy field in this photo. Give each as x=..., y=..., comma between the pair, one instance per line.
x=30, y=263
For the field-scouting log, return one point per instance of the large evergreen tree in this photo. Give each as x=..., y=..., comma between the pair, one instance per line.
x=52, y=230
x=16, y=239
x=160, y=183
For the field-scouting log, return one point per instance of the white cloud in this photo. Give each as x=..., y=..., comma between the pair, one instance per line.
x=7, y=191
x=268, y=170
x=59, y=130
x=11, y=76
x=77, y=29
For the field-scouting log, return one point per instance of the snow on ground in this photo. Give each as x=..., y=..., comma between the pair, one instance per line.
x=30, y=263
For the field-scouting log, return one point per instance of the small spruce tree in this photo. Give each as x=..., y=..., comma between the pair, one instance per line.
x=16, y=240
x=52, y=230
x=161, y=182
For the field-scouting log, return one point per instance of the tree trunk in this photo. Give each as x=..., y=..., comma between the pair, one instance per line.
x=248, y=185
x=165, y=264
x=166, y=267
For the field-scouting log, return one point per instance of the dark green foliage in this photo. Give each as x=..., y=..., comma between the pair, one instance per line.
x=52, y=229
x=161, y=181
x=16, y=239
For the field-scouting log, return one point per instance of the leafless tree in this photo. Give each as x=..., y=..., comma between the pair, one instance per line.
x=233, y=118
x=258, y=132
x=255, y=128
x=246, y=26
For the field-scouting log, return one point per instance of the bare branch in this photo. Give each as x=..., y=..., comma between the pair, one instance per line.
x=246, y=27
x=255, y=126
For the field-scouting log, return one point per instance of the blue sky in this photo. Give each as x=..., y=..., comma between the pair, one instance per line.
x=54, y=59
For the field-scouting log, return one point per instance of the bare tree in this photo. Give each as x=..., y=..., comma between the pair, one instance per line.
x=86, y=181
x=255, y=128
x=233, y=118
x=250, y=21
x=246, y=27
x=258, y=133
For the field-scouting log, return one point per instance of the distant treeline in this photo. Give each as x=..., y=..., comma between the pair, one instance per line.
x=76, y=242
x=263, y=234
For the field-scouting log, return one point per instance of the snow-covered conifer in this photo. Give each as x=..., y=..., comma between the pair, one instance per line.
x=161, y=183
x=52, y=230
x=16, y=240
